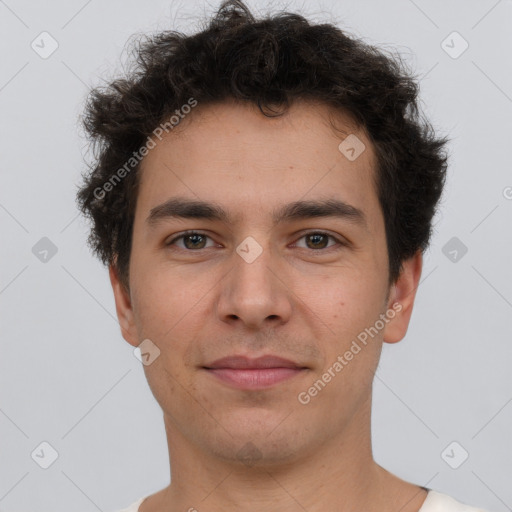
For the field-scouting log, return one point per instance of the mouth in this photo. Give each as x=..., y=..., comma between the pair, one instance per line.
x=251, y=374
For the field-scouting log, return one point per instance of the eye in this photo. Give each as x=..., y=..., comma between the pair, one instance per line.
x=318, y=240
x=195, y=240
x=191, y=240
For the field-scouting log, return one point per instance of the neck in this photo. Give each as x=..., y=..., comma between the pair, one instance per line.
x=339, y=474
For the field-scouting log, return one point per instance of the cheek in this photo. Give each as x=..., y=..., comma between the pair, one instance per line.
x=169, y=312
x=352, y=346
x=166, y=301
x=348, y=303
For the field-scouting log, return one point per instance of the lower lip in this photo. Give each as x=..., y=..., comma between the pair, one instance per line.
x=255, y=378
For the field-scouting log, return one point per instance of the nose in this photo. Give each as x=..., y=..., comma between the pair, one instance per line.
x=254, y=294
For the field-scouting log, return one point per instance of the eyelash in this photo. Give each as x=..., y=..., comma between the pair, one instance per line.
x=189, y=233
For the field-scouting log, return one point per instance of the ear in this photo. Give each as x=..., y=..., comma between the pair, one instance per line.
x=123, y=308
x=401, y=298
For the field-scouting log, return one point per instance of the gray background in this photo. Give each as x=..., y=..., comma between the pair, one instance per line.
x=67, y=377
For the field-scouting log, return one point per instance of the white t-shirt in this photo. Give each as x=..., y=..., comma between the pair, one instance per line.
x=435, y=502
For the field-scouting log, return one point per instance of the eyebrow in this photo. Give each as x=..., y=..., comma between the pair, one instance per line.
x=297, y=210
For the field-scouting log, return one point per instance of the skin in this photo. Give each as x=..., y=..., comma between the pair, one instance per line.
x=302, y=298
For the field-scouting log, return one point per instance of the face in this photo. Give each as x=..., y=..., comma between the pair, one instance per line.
x=289, y=260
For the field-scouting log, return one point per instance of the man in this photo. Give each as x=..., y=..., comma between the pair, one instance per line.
x=263, y=194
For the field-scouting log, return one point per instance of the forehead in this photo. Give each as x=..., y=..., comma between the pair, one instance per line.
x=232, y=153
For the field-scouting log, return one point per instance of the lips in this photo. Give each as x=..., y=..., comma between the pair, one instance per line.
x=251, y=374
x=242, y=363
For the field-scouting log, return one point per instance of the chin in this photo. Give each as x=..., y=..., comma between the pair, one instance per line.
x=259, y=438
x=260, y=452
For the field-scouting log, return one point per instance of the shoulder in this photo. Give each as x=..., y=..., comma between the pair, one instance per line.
x=439, y=502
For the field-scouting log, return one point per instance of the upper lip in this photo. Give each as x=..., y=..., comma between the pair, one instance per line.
x=244, y=362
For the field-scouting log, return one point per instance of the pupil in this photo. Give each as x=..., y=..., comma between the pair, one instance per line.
x=195, y=237
x=316, y=238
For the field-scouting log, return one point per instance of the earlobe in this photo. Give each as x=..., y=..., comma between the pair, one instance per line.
x=401, y=298
x=123, y=308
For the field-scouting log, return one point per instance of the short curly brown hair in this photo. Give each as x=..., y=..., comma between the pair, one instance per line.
x=269, y=62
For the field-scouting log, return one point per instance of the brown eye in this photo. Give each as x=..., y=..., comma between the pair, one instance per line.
x=194, y=241
x=191, y=241
x=318, y=240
